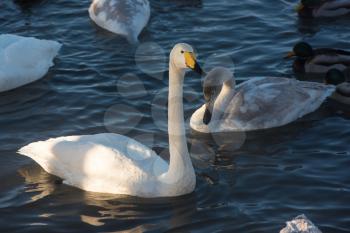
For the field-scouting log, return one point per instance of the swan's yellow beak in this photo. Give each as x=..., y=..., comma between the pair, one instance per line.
x=299, y=7
x=190, y=60
x=290, y=55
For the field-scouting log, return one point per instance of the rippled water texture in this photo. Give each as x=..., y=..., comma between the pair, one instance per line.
x=245, y=182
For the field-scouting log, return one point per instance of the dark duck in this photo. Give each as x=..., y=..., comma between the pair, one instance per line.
x=323, y=8
x=318, y=61
x=342, y=92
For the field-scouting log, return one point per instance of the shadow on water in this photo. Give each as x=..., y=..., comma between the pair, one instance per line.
x=27, y=5
x=107, y=211
x=38, y=182
x=171, y=5
x=310, y=26
x=26, y=94
x=182, y=3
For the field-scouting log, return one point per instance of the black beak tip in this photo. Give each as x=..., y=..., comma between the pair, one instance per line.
x=207, y=117
x=198, y=69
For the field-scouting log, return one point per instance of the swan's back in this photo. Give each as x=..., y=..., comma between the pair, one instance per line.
x=124, y=17
x=108, y=163
x=24, y=60
x=262, y=103
x=300, y=224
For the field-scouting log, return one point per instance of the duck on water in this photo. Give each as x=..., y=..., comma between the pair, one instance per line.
x=318, y=61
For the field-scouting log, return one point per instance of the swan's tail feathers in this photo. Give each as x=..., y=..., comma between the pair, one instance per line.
x=29, y=150
x=328, y=91
x=317, y=94
x=324, y=91
x=133, y=39
x=38, y=151
x=54, y=47
x=318, y=89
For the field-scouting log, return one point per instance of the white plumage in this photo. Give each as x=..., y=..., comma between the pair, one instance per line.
x=98, y=163
x=112, y=163
x=24, y=60
x=300, y=224
x=261, y=103
x=123, y=17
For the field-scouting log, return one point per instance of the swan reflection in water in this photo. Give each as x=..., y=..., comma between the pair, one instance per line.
x=37, y=182
x=106, y=209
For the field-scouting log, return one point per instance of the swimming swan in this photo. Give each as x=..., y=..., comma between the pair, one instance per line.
x=112, y=163
x=300, y=224
x=24, y=60
x=123, y=17
x=258, y=103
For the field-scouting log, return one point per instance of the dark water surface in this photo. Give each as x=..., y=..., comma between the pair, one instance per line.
x=245, y=182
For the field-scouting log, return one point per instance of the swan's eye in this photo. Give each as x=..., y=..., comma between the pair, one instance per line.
x=182, y=51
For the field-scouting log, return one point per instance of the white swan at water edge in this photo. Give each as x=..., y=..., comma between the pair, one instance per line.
x=300, y=224
x=258, y=103
x=24, y=60
x=112, y=163
x=123, y=17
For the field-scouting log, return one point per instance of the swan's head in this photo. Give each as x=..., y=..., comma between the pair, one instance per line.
x=183, y=57
x=301, y=50
x=213, y=84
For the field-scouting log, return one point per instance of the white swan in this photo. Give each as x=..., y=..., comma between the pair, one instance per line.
x=123, y=17
x=24, y=60
x=300, y=224
x=258, y=103
x=112, y=163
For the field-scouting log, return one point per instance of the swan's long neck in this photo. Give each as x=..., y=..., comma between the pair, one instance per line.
x=180, y=166
x=222, y=101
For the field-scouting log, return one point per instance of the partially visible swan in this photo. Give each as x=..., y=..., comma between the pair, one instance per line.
x=318, y=61
x=24, y=60
x=258, y=103
x=323, y=8
x=123, y=17
x=112, y=163
x=300, y=224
